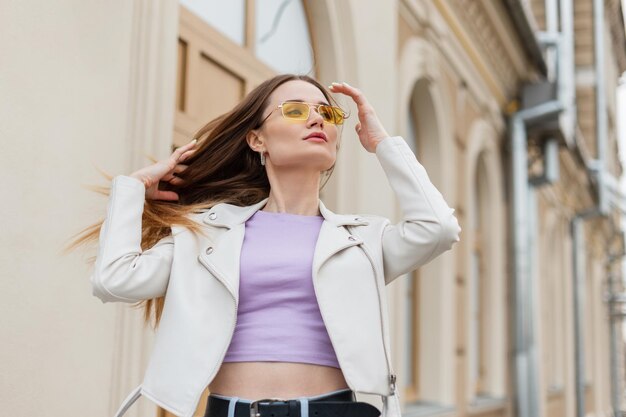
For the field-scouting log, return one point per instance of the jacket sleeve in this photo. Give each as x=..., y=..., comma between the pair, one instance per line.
x=123, y=272
x=428, y=227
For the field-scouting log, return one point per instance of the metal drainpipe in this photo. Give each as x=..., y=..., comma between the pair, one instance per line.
x=601, y=209
x=578, y=263
x=567, y=76
x=601, y=117
x=526, y=382
x=615, y=301
x=531, y=297
x=525, y=224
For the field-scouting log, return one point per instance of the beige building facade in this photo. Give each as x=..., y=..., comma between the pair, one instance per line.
x=89, y=86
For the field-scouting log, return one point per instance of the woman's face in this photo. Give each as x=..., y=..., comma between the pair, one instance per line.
x=284, y=140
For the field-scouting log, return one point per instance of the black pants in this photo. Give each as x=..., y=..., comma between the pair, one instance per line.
x=225, y=406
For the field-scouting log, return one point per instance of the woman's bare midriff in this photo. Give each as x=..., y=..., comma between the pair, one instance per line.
x=257, y=380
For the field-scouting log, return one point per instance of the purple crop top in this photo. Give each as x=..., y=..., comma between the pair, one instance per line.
x=278, y=318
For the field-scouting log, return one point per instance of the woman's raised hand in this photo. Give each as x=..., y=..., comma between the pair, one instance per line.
x=164, y=171
x=369, y=129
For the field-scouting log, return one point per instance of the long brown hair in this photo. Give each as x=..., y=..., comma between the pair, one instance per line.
x=223, y=169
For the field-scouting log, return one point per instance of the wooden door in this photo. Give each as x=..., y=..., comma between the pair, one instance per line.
x=214, y=73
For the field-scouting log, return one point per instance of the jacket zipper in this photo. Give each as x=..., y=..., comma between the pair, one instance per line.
x=217, y=366
x=391, y=375
x=329, y=335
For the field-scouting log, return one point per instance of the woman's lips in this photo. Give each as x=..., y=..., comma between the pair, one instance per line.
x=317, y=137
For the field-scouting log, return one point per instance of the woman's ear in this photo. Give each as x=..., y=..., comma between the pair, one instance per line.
x=254, y=140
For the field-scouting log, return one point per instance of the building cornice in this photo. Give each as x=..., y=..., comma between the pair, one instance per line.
x=526, y=28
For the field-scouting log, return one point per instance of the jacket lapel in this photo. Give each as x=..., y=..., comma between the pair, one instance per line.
x=332, y=239
x=222, y=258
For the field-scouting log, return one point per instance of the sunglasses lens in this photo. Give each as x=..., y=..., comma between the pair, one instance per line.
x=300, y=111
x=336, y=115
x=327, y=114
x=296, y=111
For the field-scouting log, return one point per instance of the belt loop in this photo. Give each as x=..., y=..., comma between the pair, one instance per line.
x=231, y=406
x=304, y=406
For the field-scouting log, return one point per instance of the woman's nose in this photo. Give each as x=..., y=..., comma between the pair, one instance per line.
x=314, y=116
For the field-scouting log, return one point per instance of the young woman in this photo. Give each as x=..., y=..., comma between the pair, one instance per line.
x=259, y=291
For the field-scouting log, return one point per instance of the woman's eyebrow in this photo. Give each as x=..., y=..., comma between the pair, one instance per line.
x=304, y=101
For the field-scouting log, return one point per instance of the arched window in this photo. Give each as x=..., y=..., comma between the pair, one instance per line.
x=484, y=311
x=427, y=323
x=477, y=283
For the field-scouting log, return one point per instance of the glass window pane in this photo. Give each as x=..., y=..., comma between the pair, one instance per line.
x=282, y=36
x=226, y=16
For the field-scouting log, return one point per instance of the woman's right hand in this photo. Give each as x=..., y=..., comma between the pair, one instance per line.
x=164, y=171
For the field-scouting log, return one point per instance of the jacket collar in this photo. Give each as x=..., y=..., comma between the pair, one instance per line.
x=229, y=215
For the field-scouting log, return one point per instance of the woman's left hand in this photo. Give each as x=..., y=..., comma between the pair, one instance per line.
x=369, y=129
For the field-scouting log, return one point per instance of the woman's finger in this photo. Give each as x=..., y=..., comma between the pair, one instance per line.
x=182, y=149
x=187, y=154
x=176, y=170
x=176, y=181
x=159, y=171
x=176, y=155
x=369, y=128
x=164, y=195
x=172, y=179
x=347, y=89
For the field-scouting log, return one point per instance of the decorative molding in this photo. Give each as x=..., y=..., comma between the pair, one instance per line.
x=418, y=9
x=511, y=42
x=419, y=60
x=152, y=80
x=439, y=25
x=149, y=132
x=489, y=41
x=467, y=49
x=571, y=193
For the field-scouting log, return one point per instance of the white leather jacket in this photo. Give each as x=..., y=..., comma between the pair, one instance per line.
x=355, y=257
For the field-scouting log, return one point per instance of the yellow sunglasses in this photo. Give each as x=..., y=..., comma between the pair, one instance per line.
x=300, y=110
